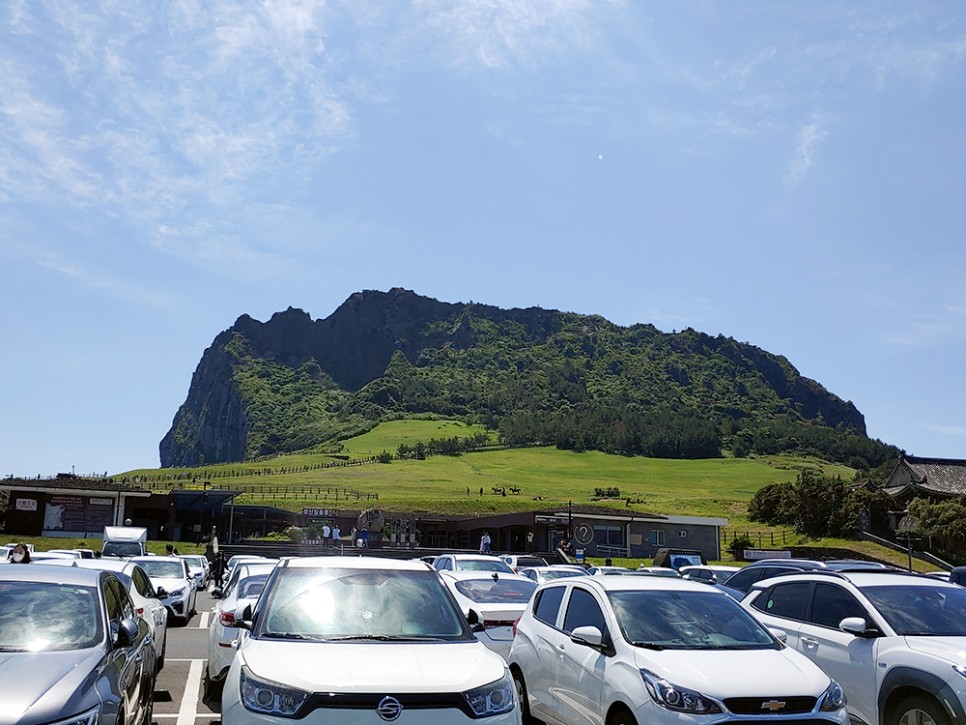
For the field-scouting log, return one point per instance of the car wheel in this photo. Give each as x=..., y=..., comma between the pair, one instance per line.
x=521, y=689
x=164, y=650
x=622, y=717
x=918, y=710
x=148, y=716
x=212, y=688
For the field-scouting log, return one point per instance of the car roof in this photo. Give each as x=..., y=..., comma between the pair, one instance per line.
x=861, y=579
x=795, y=563
x=634, y=583
x=352, y=562
x=52, y=574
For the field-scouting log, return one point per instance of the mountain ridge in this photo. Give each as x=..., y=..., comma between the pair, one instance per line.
x=535, y=375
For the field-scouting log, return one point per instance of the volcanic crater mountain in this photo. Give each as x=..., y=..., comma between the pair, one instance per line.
x=536, y=376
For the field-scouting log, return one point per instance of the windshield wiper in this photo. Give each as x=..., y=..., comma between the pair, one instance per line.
x=384, y=638
x=289, y=635
x=650, y=645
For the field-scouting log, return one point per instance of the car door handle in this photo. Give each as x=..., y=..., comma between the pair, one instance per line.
x=809, y=642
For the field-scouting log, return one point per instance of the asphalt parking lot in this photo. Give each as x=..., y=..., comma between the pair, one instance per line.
x=178, y=693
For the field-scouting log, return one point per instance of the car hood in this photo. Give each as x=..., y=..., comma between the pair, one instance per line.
x=367, y=667
x=952, y=649
x=48, y=684
x=725, y=673
x=169, y=583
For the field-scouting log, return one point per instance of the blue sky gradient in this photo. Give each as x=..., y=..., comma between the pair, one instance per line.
x=788, y=174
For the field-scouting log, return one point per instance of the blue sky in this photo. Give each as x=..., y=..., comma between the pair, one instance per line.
x=790, y=174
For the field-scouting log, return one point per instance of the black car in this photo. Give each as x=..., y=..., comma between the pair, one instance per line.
x=72, y=649
x=740, y=582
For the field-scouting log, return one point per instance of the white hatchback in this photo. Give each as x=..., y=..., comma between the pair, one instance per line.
x=622, y=650
x=362, y=640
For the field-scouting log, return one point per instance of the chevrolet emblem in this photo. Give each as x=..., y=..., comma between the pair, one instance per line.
x=773, y=705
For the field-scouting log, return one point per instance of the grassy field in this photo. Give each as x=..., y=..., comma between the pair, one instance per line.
x=546, y=478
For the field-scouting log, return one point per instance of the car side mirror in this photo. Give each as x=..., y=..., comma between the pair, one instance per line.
x=216, y=592
x=160, y=593
x=780, y=634
x=243, y=617
x=127, y=632
x=589, y=636
x=858, y=627
x=474, y=619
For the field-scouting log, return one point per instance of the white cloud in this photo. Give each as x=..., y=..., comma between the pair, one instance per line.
x=810, y=137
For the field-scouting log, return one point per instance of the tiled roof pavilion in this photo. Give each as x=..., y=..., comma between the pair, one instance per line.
x=927, y=477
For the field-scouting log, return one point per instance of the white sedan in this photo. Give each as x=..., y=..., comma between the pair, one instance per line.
x=492, y=602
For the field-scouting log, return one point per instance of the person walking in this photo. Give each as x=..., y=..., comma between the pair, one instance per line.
x=336, y=534
x=326, y=536
x=364, y=537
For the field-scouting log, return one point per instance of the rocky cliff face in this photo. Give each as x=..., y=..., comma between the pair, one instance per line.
x=458, y=354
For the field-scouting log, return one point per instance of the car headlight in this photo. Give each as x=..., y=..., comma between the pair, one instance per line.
x=492, y=699
x=270, y=698
x=175, y=593
x=834, y=697
x=679, y=699
x=85, y=718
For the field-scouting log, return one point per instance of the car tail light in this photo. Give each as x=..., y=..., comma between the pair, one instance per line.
x=140, y=611
x=227, y=619
x=515, y=623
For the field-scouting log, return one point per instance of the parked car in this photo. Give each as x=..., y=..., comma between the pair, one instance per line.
x=518, y=561
x=243, y=588
x=492, y=602
x=623, y=650
x=541, y=574
x=659, y=571
x=894, y=640
x=362, y=640
x=147, y=599
x=707, y=573
x=471, y=562
x=199, y=567
x=170, y=573
x=74, y=650
x=601, y=570
x=740, y=582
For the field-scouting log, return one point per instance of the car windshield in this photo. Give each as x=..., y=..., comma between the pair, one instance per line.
x=368, y=604
x=170, y=569
x=483, y=565
x=687, y=620
x=938, y=611
x=493, y=590
x=549, y=574
x=37, y=616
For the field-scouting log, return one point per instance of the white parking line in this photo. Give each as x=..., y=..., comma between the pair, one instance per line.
x=203, y=620
x=189, y=703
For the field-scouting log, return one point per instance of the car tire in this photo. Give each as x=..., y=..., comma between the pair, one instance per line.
x=621, y=717
x=212, y=688
x=521, y=688
x=159, y=665
x=918, y=710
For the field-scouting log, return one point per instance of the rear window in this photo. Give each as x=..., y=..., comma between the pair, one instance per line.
x=496, y=591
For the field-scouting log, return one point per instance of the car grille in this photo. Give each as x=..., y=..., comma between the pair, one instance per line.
x=770, y=705
x=783, y=721
x=370, y=701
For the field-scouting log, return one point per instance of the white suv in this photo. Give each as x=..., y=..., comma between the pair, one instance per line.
x=894, y=640
x=622, y=650
x=362, y=640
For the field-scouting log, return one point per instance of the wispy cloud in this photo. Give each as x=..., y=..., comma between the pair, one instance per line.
x=810, y=138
